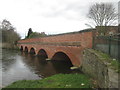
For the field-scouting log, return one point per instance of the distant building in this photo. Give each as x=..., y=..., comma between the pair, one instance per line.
x=107, y=31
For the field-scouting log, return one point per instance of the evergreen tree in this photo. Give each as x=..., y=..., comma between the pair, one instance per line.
x=29, y=32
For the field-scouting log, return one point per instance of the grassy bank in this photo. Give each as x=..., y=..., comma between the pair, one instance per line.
x=55, y=81
x=112, y=63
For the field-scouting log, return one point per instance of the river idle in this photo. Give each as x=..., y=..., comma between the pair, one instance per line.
x=18, y=65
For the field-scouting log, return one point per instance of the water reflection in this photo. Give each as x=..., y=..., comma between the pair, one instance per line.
x=46, y=68
x=19, y=66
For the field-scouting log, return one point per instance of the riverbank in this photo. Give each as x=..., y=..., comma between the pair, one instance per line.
x=100, y=66
x=8, y=46
x=56, y=81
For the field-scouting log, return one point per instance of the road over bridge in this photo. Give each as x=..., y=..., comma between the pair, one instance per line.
x=68, y=46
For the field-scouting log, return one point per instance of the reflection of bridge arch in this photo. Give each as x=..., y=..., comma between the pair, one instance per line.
x=26, y=49
x=43, y=53
x=32, y=51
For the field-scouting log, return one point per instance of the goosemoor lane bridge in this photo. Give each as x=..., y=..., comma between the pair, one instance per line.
x=68, y=46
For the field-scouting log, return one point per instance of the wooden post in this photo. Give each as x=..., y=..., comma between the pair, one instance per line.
x=109, y=45
x=119, y=43
x=119, y=31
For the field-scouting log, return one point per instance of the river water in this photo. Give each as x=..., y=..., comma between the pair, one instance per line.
x=18, y=65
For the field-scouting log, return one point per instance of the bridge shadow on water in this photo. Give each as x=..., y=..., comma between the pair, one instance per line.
x=44, y=68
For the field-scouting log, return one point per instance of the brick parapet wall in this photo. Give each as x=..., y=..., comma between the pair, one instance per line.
x=85, y=38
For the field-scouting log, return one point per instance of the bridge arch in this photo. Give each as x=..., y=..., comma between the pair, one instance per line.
x=62, y=57
x=21, y=48
x=42, y=53
x=32, y=51
x=72, y=57
x=26, y=49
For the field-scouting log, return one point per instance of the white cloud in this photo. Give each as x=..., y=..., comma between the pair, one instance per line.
x=50, y=16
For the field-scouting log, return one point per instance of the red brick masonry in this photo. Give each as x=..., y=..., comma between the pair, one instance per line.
x=65, y=43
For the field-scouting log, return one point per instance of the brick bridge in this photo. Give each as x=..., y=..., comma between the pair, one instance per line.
x=59, y=47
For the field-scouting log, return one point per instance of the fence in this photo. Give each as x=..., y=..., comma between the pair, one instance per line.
x=108, y=44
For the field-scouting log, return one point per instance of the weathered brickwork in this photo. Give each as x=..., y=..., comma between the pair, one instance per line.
x=85, y=38
x=72, y=51
x=72, y=44
x=75, y=45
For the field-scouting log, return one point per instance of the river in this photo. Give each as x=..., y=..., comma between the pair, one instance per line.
x=18, y=65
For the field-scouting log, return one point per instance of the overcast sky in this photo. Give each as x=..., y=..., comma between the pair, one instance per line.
x=49, y=16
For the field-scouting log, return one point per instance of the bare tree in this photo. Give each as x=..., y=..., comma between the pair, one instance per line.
x=9, y=35
x=6, y=25
x=103, y=14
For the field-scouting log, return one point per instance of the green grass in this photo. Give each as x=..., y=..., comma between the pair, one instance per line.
x=56, y=81
x=113, y=63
